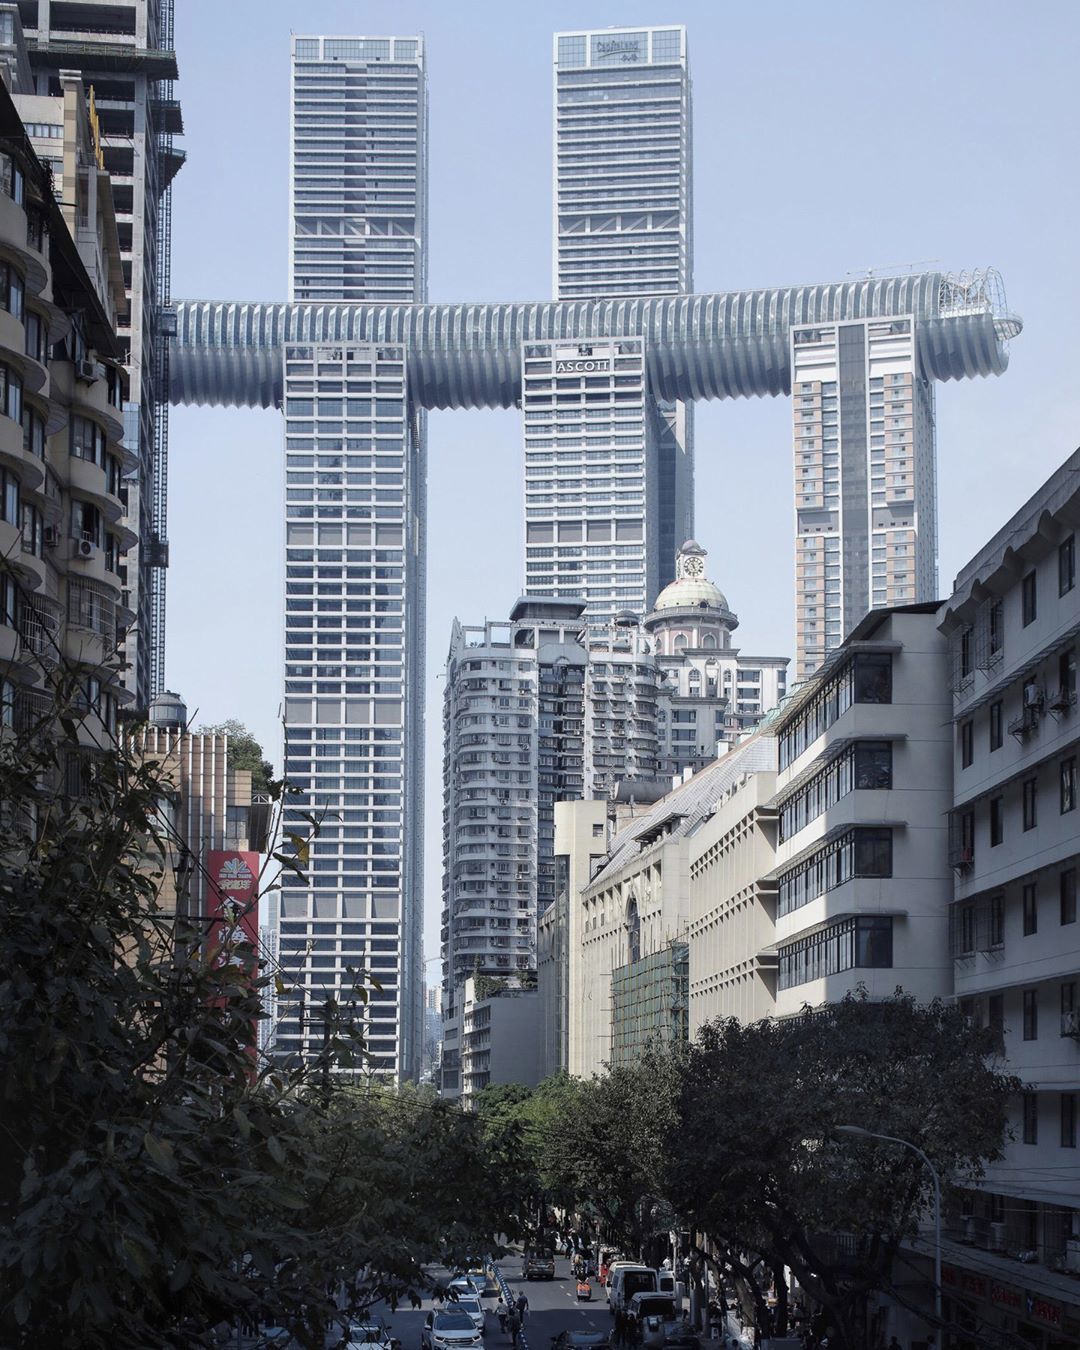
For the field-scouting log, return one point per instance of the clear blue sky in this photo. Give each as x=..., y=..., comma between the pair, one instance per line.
x=829, y=138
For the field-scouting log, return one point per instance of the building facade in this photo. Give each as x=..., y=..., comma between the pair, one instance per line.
x=123, y=51
x=355, y=479
x=862, y=877
x=63, y=385
x=865, y=491
x=1013, y=627
x=709, y=694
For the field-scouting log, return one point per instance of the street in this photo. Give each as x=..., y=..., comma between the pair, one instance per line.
x=553, y=1307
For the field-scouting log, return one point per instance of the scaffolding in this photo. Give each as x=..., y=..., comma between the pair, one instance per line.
x=649, y=1002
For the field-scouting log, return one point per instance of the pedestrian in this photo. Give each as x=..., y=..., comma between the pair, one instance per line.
x=522, y=1305
x=500, y=1311
x=513, y=1323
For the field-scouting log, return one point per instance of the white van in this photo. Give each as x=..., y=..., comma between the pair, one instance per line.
x=626, y=1281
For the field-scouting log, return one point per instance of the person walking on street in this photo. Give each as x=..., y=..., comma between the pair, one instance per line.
x=513, y=1323
x=522, y=1305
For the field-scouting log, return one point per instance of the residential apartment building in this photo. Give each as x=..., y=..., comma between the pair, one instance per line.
x=865, y=492
x=62, y=389
x=629, y=960
x=863, y=791
x=355, y=484
x=731, y=912
x=709, y=693
x=609, y=465
x=499, y=1035
x=123, y=52
x=1013, y=627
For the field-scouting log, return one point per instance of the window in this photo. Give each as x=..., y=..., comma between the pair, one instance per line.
x=1067, y=674
x=1030, y=902
x=1029, y=606
x=1068, y=784
x=862, y=942
x=997, y=627
x=1067, y=565
x=11, y=179
x=967, y=744
x=1031, y=1014
x=1068, y=1120
x=997, y=921
x=1031, y=1117
x=10, y=503
x=1068, y=997
x=997, y=820
x=967, y=648
x=995, y=1018
x=87, y=441
x=996, y=725
x=11, y=289
x=1030, y=802
x=1067, y=891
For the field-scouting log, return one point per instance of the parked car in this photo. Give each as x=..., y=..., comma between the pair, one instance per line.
x=626, y=1281
x=449, y=1329
x=655, y=1316
x=537, y=1265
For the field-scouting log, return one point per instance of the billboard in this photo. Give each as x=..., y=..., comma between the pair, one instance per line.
x=233, y=896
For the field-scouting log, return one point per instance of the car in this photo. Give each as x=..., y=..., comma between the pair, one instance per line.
x=473, y=1307
x=580, y=1340
x=449, y=1329
x=465, y=1286
x=538, y=1265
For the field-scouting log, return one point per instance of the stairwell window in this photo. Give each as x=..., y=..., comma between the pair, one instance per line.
x=1030, y=902
x=1067, y=565
x=1067, y=893
x=997, y=820
x=1030, y=803
x=1068, y=784
x=1068, y=1120
x=995, y=725
x=1029, y=606
x=967, y=744
x=1030, y=1102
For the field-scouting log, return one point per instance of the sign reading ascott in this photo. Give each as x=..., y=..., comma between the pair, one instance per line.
x=588, y=366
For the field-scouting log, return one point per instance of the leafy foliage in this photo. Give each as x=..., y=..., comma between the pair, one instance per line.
x=157, y=1180
x=245, y=752
x=755, y=1161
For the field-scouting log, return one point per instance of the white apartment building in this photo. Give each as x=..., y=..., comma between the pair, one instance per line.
x=863, y=794
x=1013, y=626
x=732, y=906
x=865, y=495
x=355, y=484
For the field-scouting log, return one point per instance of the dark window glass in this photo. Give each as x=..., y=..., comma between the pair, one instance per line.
x=1031, y=1117
x=1068, y=1120
x=873, y=678
x=997, y=820
x=1030, y=896
x=1068, y=784
x=967, y=744
x=1067, y=673
x=1067, y=886
x=995, y=725
x=873, y=853
x=967, y=650
x=995, y=1018
x=997, y=921
x=1067, y=565
x=1031, y=1014
x=1068, y=997
x=1028, y=599
x=873, y=764
x=1030, y=803
x=873, y=942
x=997, y=627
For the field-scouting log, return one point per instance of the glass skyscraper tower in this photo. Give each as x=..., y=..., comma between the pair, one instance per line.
x=608, y=465
x=354, y=588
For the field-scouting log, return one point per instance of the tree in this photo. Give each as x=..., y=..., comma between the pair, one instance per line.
x=606, y=1146
x=157, y=1179
x=755, y=1163
x=245, y=752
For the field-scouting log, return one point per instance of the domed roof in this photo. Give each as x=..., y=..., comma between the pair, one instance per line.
x=691, y=589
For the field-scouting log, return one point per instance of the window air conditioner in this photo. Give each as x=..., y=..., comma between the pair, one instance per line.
x=52, y=535
x=87, y=371
x=997, y=1238
x=84, y=548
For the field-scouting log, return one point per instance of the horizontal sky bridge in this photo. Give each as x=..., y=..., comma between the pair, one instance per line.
x=733, y=344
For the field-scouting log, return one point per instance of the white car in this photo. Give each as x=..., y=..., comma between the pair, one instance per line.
x=449, y=1329
x=466, y=1286
x=475, y=1309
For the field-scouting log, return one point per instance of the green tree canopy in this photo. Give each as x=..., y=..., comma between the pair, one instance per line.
x=754, y=1160
x=245, y=752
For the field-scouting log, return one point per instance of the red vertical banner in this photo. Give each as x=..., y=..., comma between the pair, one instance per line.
x=233, y=898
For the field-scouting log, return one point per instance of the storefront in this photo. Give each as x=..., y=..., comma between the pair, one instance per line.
x=985, y=1306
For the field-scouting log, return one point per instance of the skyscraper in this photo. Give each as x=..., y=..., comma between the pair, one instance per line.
x=355, y=478
x=608, y=465
x=123, y=49
x=865, y=496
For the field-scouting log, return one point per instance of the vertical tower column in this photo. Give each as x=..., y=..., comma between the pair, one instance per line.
x=623, y=227
x=864, y=478
x=354, y=624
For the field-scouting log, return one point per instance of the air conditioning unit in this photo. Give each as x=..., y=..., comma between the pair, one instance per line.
x=52, y=535
x=997, y=1238
x=88, y=371
x=1070, y=1024
x=84, y=548
x=1033, y=695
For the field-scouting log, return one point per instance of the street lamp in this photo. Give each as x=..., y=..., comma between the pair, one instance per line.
x=860, y=1133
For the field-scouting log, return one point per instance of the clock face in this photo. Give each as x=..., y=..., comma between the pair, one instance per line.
x=693, y=567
